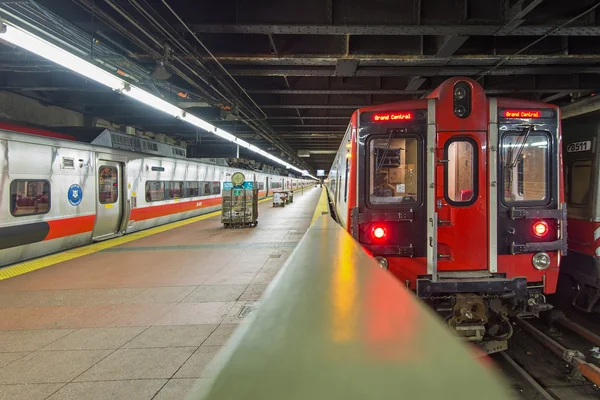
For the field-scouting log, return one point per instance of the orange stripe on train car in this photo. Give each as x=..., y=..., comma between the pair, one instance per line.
x=144, y=213
x=70, y=226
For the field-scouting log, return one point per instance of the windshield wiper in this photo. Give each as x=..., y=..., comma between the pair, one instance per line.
x=514, y=160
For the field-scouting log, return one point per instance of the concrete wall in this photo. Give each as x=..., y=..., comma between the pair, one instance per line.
x=21, y=108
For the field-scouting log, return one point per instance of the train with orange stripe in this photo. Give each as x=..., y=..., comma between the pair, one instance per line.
x=579, y=282
x=460, y=197
x=59, y=194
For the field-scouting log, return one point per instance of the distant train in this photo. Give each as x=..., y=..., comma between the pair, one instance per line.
x=579, y=283
x=58, y=194
x=460, y=196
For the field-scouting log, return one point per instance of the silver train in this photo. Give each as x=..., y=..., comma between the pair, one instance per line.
x=59, y=194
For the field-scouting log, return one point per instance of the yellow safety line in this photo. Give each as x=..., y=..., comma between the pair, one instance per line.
x=46, y=261
x=322, y=206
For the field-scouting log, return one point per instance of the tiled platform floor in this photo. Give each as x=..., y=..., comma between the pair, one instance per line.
x=142, y=320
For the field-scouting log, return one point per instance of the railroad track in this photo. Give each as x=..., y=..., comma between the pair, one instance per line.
x=552, y=364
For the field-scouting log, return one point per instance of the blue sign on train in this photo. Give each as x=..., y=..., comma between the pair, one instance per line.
x=75, y=194
x=248, y=185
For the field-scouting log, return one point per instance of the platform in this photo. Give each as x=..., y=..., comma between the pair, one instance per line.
x=142, y=319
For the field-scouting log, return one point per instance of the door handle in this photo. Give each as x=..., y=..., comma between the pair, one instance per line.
x=440, y=204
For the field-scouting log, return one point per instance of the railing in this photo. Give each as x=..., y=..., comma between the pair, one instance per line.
x=333, y=325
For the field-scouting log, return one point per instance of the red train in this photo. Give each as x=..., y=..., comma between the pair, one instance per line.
x=460, y=196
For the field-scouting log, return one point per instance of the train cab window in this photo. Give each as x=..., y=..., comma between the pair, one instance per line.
x=29, y=197
x=155, y=191
x=192, y=189
x=216, y=188
x=108, y=184
x=578, y=182
x=394, y=171
x=174, y=190
x=460, y=172
x=525, y=167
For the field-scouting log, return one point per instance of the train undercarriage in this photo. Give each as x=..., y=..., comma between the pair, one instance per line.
x=482, y=315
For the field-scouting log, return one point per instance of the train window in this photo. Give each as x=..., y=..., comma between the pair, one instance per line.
x=192, y=189
x=174, y=190
x=216, y=188
x=460, y=171
x=155, y=191
x=108, y=184
x=578, y=182
x=29, y=197
x=261, y=186
x=394, y=170
x=525, y=166
x=206, y=188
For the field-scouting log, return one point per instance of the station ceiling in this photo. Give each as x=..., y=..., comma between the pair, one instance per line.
x=286, y=75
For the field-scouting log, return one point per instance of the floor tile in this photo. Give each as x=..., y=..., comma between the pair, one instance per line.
x=177, y=389
x=50, y=366
x=170, y=294
x=7, y=358
x=153, y=363
x=55, y=317
x=172, y=336
x=196, y=313
x=96, y=338
x=253, y=292
x=111, y=390
x=240, y=312
x=29, y=391
x=208, y=293
x=132, y=315
x=198, y=364
x=30, y=340
x=221, y=335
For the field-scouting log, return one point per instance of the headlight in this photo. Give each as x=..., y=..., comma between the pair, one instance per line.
x=383, y=262
x=541, y=261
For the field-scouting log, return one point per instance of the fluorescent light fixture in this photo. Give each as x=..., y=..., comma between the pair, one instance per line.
x=70, y=61
x=56, y=54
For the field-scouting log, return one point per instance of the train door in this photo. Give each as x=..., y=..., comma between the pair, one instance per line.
x=109, y=200
x=267, y=186
x=461, y=202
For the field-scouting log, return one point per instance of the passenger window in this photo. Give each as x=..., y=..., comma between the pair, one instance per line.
x=460, y=171
x=525, y=166
x=155, y=191
x=192, y=189
x=578, y=184
x=29, y=197
x=216, y=188
x=175, y=190
x=108, y=185
x=346, y=181
x=394, y=171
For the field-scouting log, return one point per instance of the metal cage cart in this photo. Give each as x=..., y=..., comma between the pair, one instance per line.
x=279, y=199
x=240, y=203
x=290, y=196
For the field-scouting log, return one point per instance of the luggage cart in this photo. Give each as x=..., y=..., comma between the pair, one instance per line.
x=240, y=203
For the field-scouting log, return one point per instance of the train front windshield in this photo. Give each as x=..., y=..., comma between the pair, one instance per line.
x=525, y=163
x=393, y=170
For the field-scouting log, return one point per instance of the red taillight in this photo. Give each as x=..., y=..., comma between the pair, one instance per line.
x=378, y=232
x=540, y=228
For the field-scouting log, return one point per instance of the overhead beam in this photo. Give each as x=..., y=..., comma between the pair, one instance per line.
x=449, y=45
x=393, y=30
x=375, y=92
x=416, y=71
x=516, y=14
x=585, y=106
x=370, y=60
x=415, y=84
